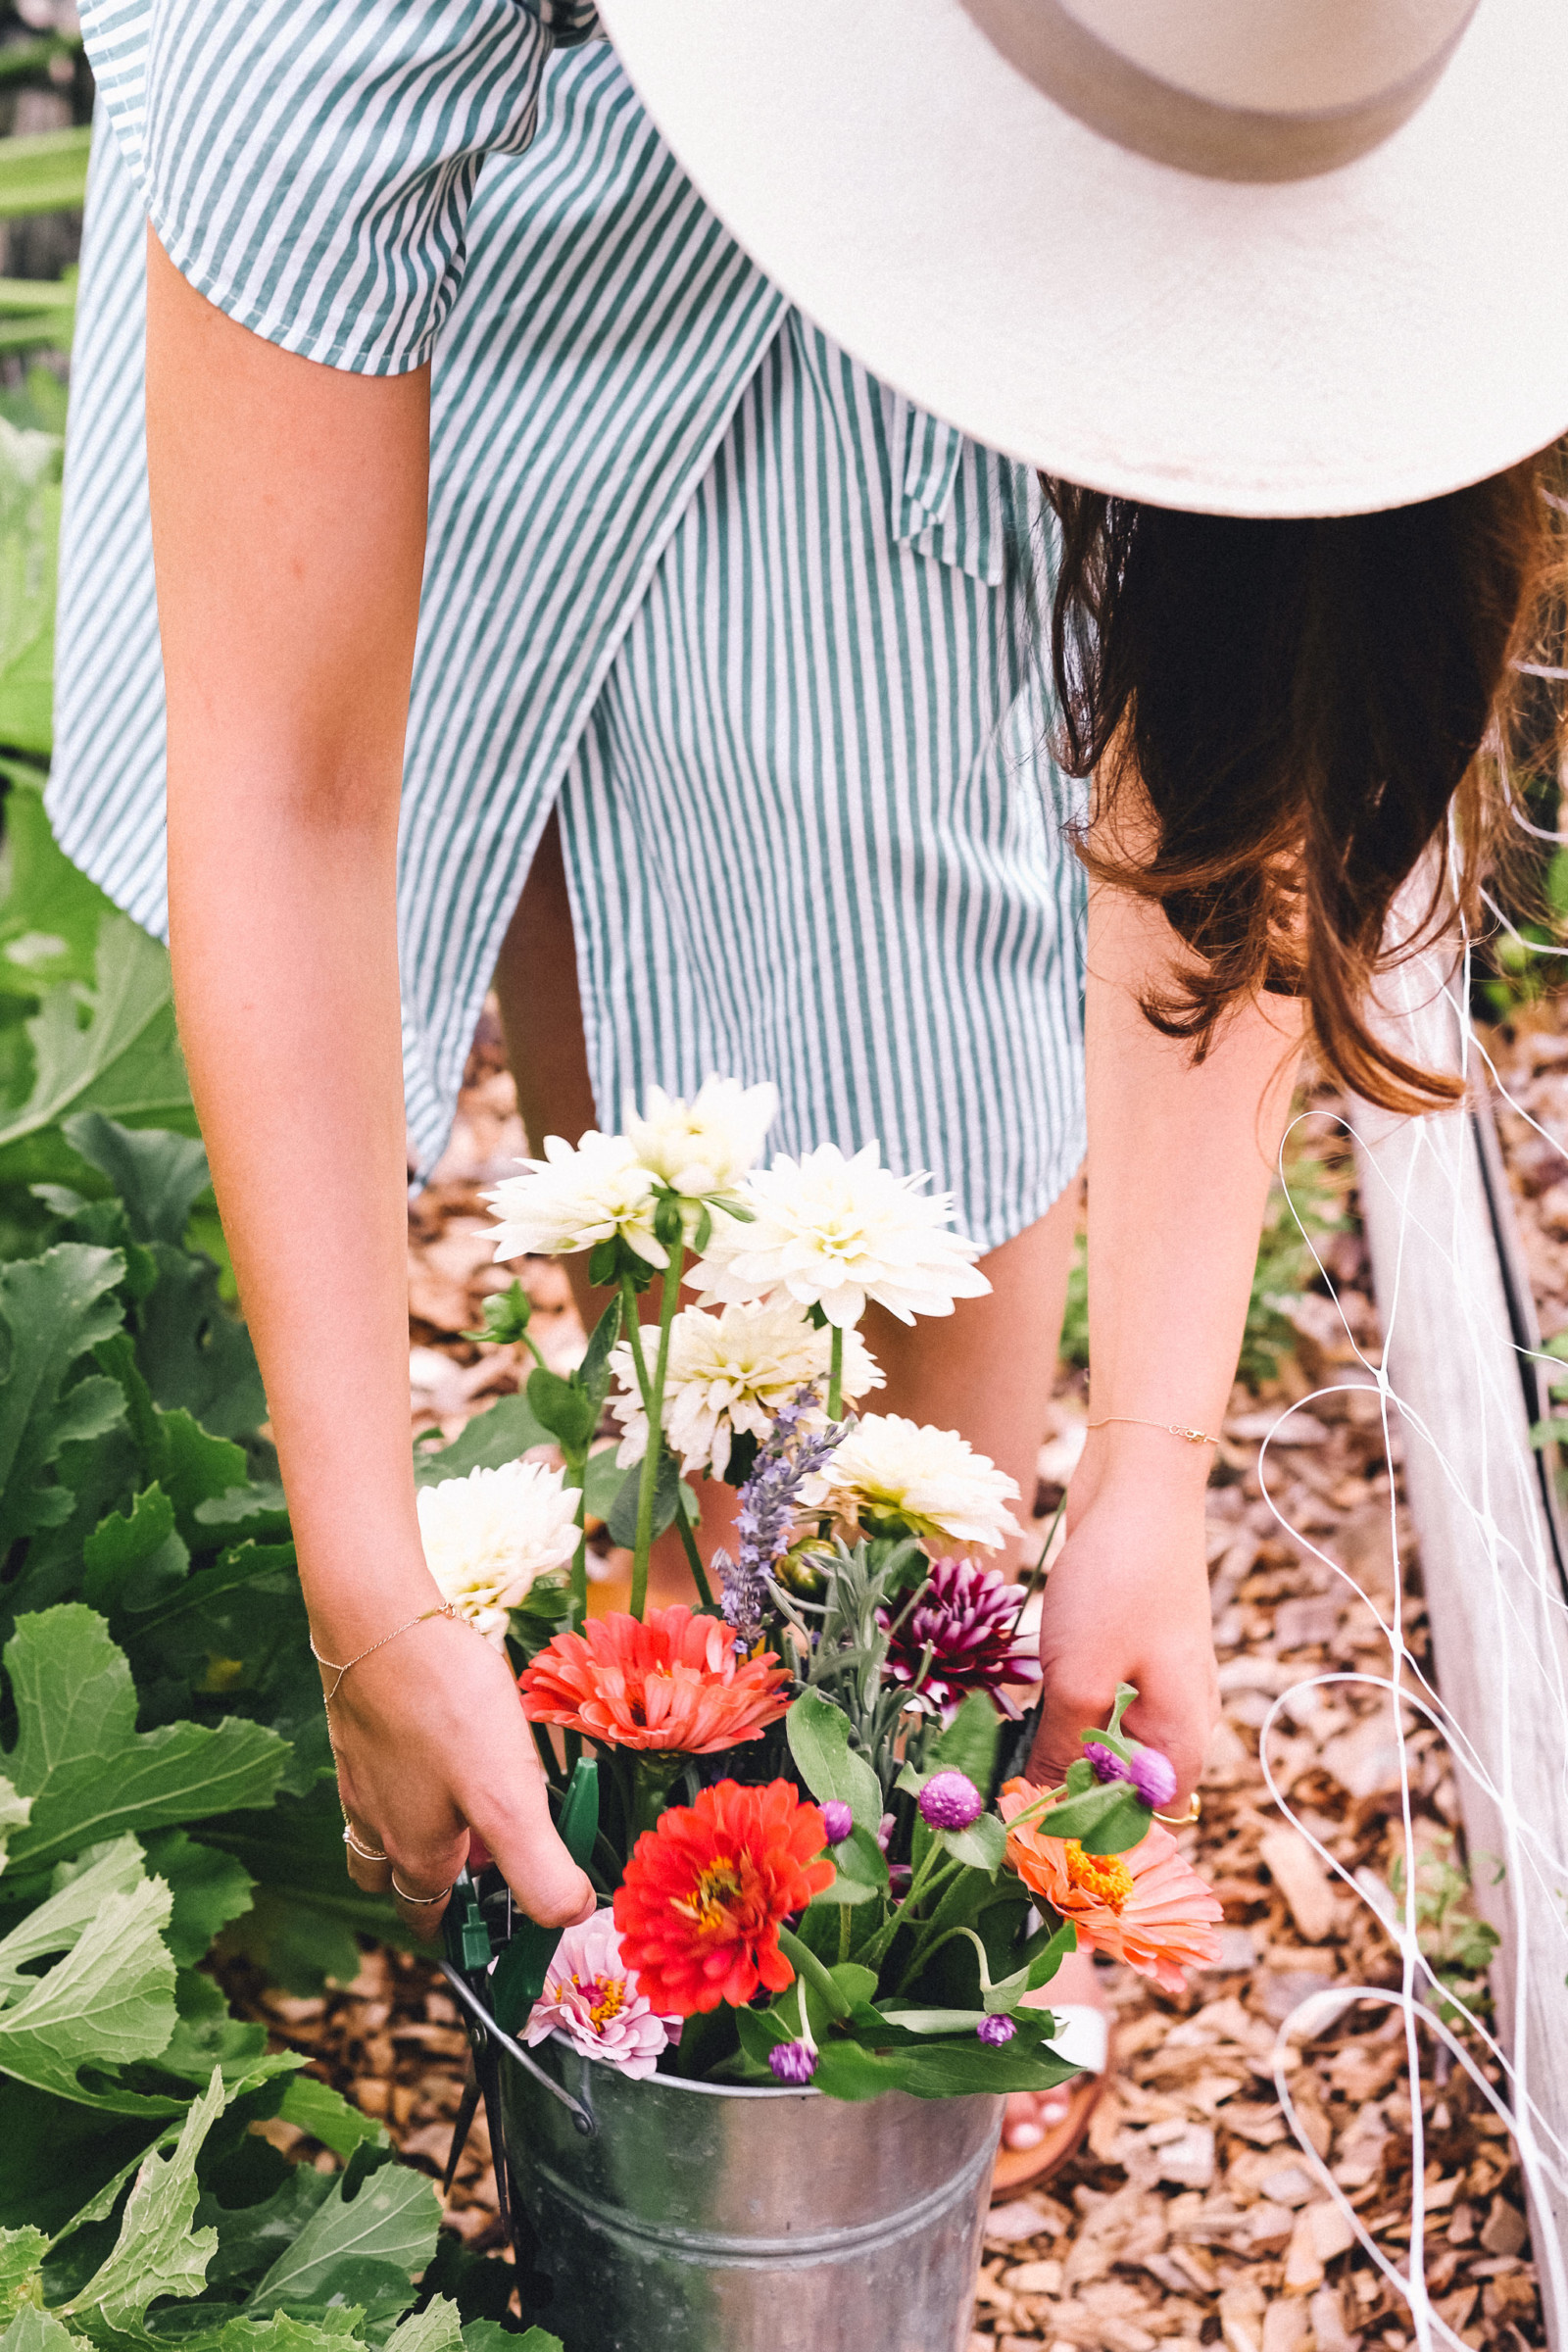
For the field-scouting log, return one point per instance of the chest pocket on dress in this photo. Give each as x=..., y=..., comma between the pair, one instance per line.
x=947, y=493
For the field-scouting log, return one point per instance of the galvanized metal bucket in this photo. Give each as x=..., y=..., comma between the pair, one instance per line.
x=687, y=2217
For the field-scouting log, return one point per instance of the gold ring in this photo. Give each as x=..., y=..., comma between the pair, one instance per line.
x=366, y=1853
x=1183, y=1821
x=422, y=1901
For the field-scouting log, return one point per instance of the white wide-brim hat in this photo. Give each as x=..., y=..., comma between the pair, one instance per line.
x=1305, y=311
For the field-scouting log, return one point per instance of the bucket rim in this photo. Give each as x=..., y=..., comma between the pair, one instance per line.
x=709, y=2090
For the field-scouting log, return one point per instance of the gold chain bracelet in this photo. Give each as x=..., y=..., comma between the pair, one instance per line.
x=1174, y=1429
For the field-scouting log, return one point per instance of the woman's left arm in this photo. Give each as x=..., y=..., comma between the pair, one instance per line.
x=1180, y=1159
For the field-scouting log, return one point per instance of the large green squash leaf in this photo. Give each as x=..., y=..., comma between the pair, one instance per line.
x=110, y=2002
x=393, y=2219
x=49, y=911
x=88, y=1770
x=126, y=1061
x=54, y=1308
x=158, y=2251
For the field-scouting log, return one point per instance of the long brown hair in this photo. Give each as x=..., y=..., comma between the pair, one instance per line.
x=1279, y=717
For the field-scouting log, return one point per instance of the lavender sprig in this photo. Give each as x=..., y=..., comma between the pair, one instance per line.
x=769, y=1499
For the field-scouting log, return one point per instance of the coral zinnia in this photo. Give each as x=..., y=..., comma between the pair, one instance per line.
x=706, y=1892
x=967, y=1618
x=1147, y=1906
x=674, y=1682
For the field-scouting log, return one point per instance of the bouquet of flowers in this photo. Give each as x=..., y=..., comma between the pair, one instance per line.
x=801, y=1800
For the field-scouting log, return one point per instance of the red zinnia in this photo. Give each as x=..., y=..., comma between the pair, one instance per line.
x=673, y=1682
x=705, y=1894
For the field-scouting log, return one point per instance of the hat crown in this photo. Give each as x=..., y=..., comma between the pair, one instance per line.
x=1277, y=56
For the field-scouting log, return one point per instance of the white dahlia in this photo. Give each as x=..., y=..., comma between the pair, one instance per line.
x=731, y=1372
x=833, y=1232
x=487, y=1537
x=703, y=1147
x=930, y=1480
x=574, y=1197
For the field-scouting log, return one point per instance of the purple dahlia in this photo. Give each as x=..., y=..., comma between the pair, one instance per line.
x=967, y=1617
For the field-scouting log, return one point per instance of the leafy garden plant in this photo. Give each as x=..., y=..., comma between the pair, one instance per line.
x=800, y=1801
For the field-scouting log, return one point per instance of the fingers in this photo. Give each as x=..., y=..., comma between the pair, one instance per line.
x=1173, y=1712
x=510, y=1815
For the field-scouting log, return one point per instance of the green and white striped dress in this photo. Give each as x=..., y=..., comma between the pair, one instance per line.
x=759, y=629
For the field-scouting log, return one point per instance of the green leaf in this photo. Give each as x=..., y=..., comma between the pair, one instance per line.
x=970, y=1742
x=58, y=1924
x=193, y=1353
x=1107, y=1819
x=486, y=2335
x=283, y=2333
x=30, y=535
x=861, y=1871
x=621, y=1519
x=436, y=2329
x=35, y=2330
x=88, y=1770
x=127, y=1060
x=563, y=1407
x=937, y=2021
x=50, y=912
x=159, y=1177
x=13, y=1812
x=393, y=2219
x=110, y=2002
x=504, y=1431
x=133, y=1559
x=818, y=1735
x=983, y=1845
x=326, y=2115
x=21, y=2253
x=594, y=1370
x=602, y=1483
x=54, y=1309
x=210, y=1889
x=157, y=2251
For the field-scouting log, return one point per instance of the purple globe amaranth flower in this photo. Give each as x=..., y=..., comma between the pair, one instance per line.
x=837, y=1820
x=996, y=2031
x=968, y=1619
x=793, y=2062
x=950, y=1800
x=1109, y=1766
x=1153, y=1776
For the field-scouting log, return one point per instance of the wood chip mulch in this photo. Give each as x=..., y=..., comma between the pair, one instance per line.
x=1191, y=2214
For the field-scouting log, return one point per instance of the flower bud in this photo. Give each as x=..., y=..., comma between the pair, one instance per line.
x=996, y=2031
x=950, y=1800
x=1153, y=1776
x=803, y=1571
x=837, y=1820
x=793, y=2062
x=1109, y=1766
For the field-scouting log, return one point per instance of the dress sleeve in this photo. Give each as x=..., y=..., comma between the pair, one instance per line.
x=307, y=165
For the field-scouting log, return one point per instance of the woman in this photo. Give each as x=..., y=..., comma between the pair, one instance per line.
x=1281, y=712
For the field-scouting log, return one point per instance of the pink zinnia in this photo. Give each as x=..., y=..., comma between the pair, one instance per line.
x=591, y=1996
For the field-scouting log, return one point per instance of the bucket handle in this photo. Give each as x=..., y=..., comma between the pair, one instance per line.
x=580, y=2115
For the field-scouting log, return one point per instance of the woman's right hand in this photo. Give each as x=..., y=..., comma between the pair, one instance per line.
x=431, y=1743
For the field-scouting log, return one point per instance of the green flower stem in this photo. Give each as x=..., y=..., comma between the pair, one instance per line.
x=835, y=1375
x=654, y=1402
x=925, y=1952
x=808, y=1965
x=576, y=1472
x=845, y=1917
x=634, y=1339
x=878, y=1946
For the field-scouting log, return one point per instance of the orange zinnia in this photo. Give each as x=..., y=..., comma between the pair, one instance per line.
x=674, y=1682
x=1147, y=1906
x=706, y=1891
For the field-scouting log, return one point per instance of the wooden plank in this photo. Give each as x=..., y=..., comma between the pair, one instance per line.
x=1492, y=1583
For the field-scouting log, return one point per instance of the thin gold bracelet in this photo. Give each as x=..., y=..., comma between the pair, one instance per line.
x=1174, y=1429
x=446, y=1609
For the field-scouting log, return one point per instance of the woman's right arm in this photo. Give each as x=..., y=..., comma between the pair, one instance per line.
x=288, y=506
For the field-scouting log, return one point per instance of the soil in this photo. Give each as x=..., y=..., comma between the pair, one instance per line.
x=1192, y=2214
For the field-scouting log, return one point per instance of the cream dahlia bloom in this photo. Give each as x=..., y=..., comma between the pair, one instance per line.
x=833, y=1232
x=703, y=1147
x=929, y=1480
x=731, y=1373
x=487, y=1537
x=574, y=1197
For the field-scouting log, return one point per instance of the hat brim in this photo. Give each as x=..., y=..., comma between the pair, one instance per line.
x=1372, y=336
